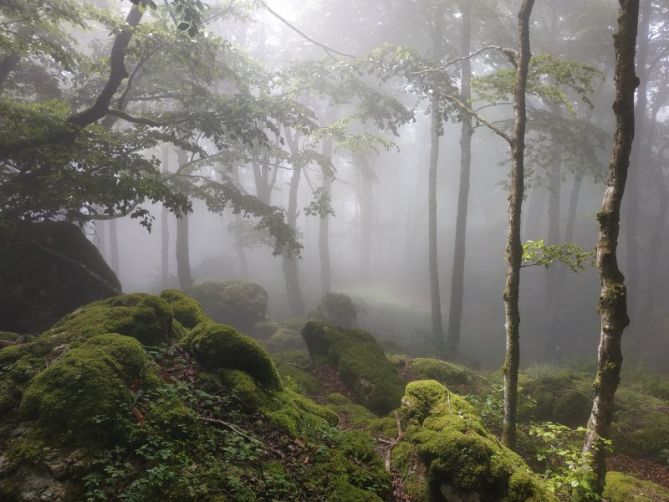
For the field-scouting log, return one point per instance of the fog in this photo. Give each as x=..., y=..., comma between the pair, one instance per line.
x=378, y=232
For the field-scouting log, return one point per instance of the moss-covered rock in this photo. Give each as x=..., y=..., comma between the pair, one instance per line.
x=217, y=346
x=148, y=318
x=453, y=376
x=239, y=303
x=624, y=488
x=285, y=339
x=337, y=309
x=462, y=460
x=361, y=364
x=86, y=393
x=187, y=311
x=553, y=395
x=47, y=270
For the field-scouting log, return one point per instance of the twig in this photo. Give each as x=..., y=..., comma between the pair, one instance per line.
x=328, y=50
x=389, y=454
x=233, y=428
x=466, y=109
x=509, y=53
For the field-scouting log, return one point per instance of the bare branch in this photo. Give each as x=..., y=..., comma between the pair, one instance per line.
x=466, y=109
x=328, y=50
x=511, y=54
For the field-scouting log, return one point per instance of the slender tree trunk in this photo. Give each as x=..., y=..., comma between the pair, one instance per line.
x=435, y=294
x=290, y=265
x=324, y=223
x=613, y=295
x=182, y=242
x=458, y=273
x=573, y=208
x=113, y=246
x=165, y=232
x=433, y=242
x=553, y=273
x=366, y=200
x=638, y=158
x=514, y=248
x=659, y=224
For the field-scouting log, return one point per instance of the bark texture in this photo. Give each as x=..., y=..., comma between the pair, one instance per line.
x=613, y=295
x=514, y=248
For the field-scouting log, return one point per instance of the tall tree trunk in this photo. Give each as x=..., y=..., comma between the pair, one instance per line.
x=458, y=273
x=435, y=135
x=613, y=295
x=324, y=222
x=659, y=224
x=554, y=272
x=182, y=242
x=165, y=232
x=113, y=245
x=366, y=201
x=514, y=248
x=638, y=158
x=290, y=265
x=435, y=294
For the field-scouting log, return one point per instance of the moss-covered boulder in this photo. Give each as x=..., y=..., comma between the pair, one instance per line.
x=239, y=303
x=555, y=395
x=217, y=346
x=360, y=361
x=455, y=377
x=624, y=488
x=148, y=318
x=47, y=270
x=86, y=394
x=187, y=311
x=337, y=309
x=462, y=460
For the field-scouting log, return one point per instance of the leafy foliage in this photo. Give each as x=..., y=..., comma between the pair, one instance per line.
x=570, y=255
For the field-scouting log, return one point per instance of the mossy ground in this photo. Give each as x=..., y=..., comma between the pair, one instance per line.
x=624, y=488
x=157, y=423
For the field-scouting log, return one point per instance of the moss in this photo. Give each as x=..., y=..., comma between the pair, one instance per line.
x=337, y=309
x=641, y=426
x=84, y=395
x=553, y=395
x=461, y=458
x=243, y=388
x=624, y=488
x=285, y=339
x=455, y=377
x=360, y=362
x=301, y=380
x=298, y=415
x=406, y=461
x=238, y=303
x=147, y=318
x=218, y=346
x=186, y=310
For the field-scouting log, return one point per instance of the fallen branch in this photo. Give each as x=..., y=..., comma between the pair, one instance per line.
x=389, y=454
x=235, y=429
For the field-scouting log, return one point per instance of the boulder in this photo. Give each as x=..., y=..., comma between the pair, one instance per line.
x=360, y=361
x=239, y=303
x=337, y=309
x=47, y=270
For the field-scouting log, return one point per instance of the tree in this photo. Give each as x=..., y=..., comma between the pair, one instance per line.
x=613, y=294
x=514, y=248
x=458, y=271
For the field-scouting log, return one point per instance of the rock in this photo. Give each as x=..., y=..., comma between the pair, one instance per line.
x=361, y=364
x=47, y=270
x=239, y=303
x=463, y=461
x=337, y=309
x=218, y=346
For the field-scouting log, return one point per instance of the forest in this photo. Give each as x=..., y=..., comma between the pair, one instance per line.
x=321, y=250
